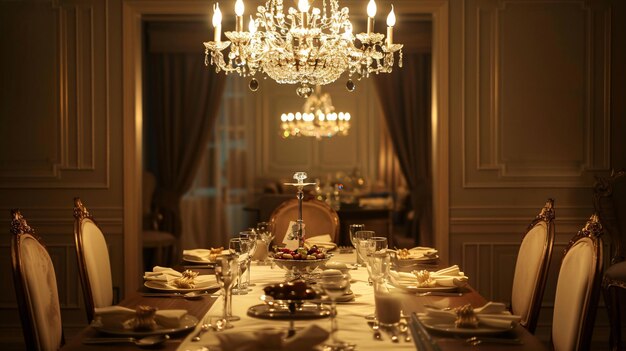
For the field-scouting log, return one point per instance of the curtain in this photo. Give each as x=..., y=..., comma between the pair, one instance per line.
x=405, y=98
x=183, y=100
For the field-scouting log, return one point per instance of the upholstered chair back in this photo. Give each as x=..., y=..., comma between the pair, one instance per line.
x=577, y=290
x=93, y=261
x=531, y=268
x=318, y=217
x=35, y=288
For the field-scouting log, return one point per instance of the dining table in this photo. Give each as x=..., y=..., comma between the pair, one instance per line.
x=353, y=326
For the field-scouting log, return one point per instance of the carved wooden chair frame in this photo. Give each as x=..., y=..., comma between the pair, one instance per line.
x=288, y=204
x=19, y=229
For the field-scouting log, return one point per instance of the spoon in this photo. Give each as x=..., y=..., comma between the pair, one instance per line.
x=377, y=334
x=203, y=329
x=404, y=330
x=192, y=295
x=147, y=341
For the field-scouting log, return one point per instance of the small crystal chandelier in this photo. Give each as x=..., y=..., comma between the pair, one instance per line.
x=318, y=118
x=305, y=46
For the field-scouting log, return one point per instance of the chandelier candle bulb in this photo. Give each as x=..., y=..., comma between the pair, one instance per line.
x=371, y=13
x=239, y=8
x=252, y=26
x=217, y=22
x=391, y=21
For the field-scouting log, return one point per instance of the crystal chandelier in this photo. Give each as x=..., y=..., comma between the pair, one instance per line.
x=305, y=46
x=318, y=118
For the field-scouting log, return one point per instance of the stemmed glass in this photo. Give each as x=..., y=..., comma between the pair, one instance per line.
x=352, y=229
x=225, y=274
x=265, y=235
x=335, y=286
x=249, y=238
x=238, y=246
x=360, y=239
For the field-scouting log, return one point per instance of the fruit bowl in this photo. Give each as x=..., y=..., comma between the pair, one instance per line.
x=300, y=267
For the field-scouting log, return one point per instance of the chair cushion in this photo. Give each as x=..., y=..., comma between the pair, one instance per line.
x=527, y=268
x=572, y=294
x=616, y=272
x=97, y=264
x=41, y=288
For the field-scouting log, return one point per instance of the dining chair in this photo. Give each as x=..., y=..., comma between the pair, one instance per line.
x=531, y=268
x=610, y=204
x=578, y=289
x=35, y=287
x=94, y=266
x=318, y=217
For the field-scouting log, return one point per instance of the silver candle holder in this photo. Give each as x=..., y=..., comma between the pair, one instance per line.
x=299, y=177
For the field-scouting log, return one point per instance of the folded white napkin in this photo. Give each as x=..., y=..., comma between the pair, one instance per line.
x=492, y=314
x=451, y=276
x=202, y=254
x=115, y=316
x=305, y=339
x=323, y=241
x=165, y=276
x=420, y=252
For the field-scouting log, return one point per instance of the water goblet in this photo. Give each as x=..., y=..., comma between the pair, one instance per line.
x=264, y=235
x=249, y=238
x=352, y=229
x=335, y=286
x=238, y=246
x=226, y=274
x=360, y=239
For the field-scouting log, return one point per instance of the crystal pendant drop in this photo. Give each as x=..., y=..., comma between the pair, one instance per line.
x=350, y=85
x=254, y=84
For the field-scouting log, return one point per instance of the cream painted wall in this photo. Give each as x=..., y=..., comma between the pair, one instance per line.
x=535, y=105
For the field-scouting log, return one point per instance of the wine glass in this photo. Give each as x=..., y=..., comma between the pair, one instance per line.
x=335, y=286
x=249, y=238
x=352, y=229
x=360, y=239
x=265, y=235
x=238, y=246
x=225, y=274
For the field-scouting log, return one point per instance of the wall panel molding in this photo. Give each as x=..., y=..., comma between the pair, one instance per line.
x=73, y=152
x=521, y=128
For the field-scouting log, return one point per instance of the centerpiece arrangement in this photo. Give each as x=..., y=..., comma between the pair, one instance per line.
x=300, y=261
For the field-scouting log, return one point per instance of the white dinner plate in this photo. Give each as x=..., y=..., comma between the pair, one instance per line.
x=450, y=328
x=187, y=322
x=160, y=286
x=415, y=289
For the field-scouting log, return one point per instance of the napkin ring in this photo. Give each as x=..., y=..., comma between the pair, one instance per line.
x=187, y=281
x=144, y=319
x=465, y=317
x=424, y=280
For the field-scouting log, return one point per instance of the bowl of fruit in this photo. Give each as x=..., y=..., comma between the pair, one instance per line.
x=301, y=260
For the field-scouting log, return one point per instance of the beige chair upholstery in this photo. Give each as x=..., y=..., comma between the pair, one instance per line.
x=94, y=265
x=35, y=288
x=317, y=216
x=610, y=204
x=531, y=268
x=577, y=289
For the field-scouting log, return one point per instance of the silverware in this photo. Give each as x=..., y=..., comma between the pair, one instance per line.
x=475, y=341
x=404, y=330
x=192, y=295
x=437, y=293
x=393, y=332
x=147, y=341
x=377, y=334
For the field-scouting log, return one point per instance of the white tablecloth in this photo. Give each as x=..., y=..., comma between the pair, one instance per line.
x=353, y=327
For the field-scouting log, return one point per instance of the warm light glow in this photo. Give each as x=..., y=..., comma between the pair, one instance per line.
x=303, y=5
x=239, y=8
x=391, y=18
x=217, y=15
x=252, y=26
x=371, y=9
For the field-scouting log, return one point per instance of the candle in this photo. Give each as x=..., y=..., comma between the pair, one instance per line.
x=239, y=15
x=371, y=12
x=252, y=26
x=217, y=22
x=391, y=21
x=303, y=6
